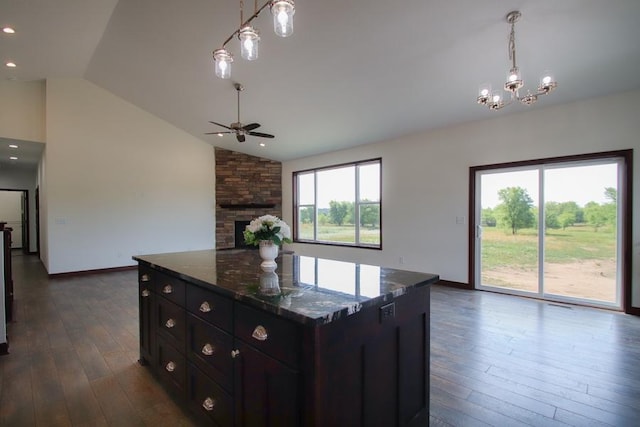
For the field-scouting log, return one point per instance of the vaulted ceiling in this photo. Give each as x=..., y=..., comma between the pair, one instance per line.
x=353, y=72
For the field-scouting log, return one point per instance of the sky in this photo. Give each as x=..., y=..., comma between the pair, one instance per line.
x=339, y=184
x=580, y=184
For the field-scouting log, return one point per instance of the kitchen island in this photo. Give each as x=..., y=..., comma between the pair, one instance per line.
x=319, y=343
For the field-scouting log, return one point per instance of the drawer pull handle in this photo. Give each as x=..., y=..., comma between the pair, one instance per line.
x=170, y=323
x=145, y=278
x=260, y=333
x=168, y=289
x=235, y=353
x=171, y=366
x=208, y=404
x=145, y=293
x=205, y=307
x=207, y=350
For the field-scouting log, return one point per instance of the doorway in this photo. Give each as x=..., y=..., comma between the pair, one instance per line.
x=553, y=229
x=14, y=210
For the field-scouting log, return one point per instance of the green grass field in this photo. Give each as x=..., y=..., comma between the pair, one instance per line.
x=341, y=234
x=501, y=248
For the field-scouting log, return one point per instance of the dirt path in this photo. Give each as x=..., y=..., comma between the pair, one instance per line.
x=589, y=279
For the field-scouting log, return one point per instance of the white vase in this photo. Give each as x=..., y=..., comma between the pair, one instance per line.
x=268, y=253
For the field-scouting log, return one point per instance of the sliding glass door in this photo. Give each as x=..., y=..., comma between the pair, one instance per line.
x=551, y=231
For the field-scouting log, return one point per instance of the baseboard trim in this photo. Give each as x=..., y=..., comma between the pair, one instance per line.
x=96, y=271
x=451, y=284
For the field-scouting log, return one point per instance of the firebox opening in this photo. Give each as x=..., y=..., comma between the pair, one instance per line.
x=239, y=237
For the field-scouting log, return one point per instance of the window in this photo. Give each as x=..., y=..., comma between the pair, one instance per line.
x=339, y=205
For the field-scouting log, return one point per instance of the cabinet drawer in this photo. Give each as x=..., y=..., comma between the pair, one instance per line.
x=171, y=322
x=210, y=306
x=169, y=287
x=210, y=349
x=145, y=278
x=274, y=336
x=207, y=399
x=172, y=366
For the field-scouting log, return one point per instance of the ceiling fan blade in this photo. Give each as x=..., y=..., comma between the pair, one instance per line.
x=260, y=134
x=220, y=124
x=251, y=126
x=217, y=133
x=240, y=137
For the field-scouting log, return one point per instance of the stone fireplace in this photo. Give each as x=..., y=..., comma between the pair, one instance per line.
x=246, y=187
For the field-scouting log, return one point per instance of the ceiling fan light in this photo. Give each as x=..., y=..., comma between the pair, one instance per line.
x=249, y=40
x=283, y=11
x=223, y=60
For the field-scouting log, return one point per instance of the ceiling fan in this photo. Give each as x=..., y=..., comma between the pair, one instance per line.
x=241, y=130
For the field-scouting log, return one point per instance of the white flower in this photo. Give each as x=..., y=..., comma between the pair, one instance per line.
x=285, y=231
x=263, y=228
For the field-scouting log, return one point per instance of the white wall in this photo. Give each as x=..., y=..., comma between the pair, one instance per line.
x=22, y=110
x=426, y=178
x=119, y=182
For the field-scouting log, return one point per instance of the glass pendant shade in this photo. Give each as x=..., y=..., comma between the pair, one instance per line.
x=283, y=11
x=514, y=80
x=249, y=40
x=223, y=60
x=547, y=82
x=484, y=93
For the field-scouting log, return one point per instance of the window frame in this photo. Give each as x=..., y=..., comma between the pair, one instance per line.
x=357, y=204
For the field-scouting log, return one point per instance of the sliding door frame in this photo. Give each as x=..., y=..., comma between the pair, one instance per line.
x=625, y=192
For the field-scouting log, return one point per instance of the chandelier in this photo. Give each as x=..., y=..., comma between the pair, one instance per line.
x=514, y=82
x=282, y=11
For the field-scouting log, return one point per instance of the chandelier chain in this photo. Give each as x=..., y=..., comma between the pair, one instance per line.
x=512, y=44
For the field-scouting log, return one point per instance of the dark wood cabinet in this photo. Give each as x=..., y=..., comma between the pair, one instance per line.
x=146, y=301
x=267, y=390
x=240, y=362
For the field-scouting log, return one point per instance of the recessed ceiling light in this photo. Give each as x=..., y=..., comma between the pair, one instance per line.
x=220, y=135
x=11, y=64
x=262, y=144
x=13, y=158
x=13, y=146
x=8, y=30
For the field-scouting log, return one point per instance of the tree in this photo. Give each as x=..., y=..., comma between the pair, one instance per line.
x=595, y=214
x=515, y=208
x=306, y=215
x=552, y=212
x=611, y=194
x=370, y=215
x=488, y=218
x=338, y=211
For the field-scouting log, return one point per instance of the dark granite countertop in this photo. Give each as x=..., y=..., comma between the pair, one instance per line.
x=312, y=291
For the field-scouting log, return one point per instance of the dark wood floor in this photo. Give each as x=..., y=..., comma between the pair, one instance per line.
x=495, y=360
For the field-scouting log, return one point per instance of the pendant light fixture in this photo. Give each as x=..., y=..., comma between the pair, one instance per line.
x=282, y=11
x=514, y=82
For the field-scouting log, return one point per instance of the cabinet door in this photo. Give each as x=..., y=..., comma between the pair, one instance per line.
x=147, y=324
x=267, y=392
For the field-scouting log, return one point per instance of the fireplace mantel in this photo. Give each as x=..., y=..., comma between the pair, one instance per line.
x=247, y=205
